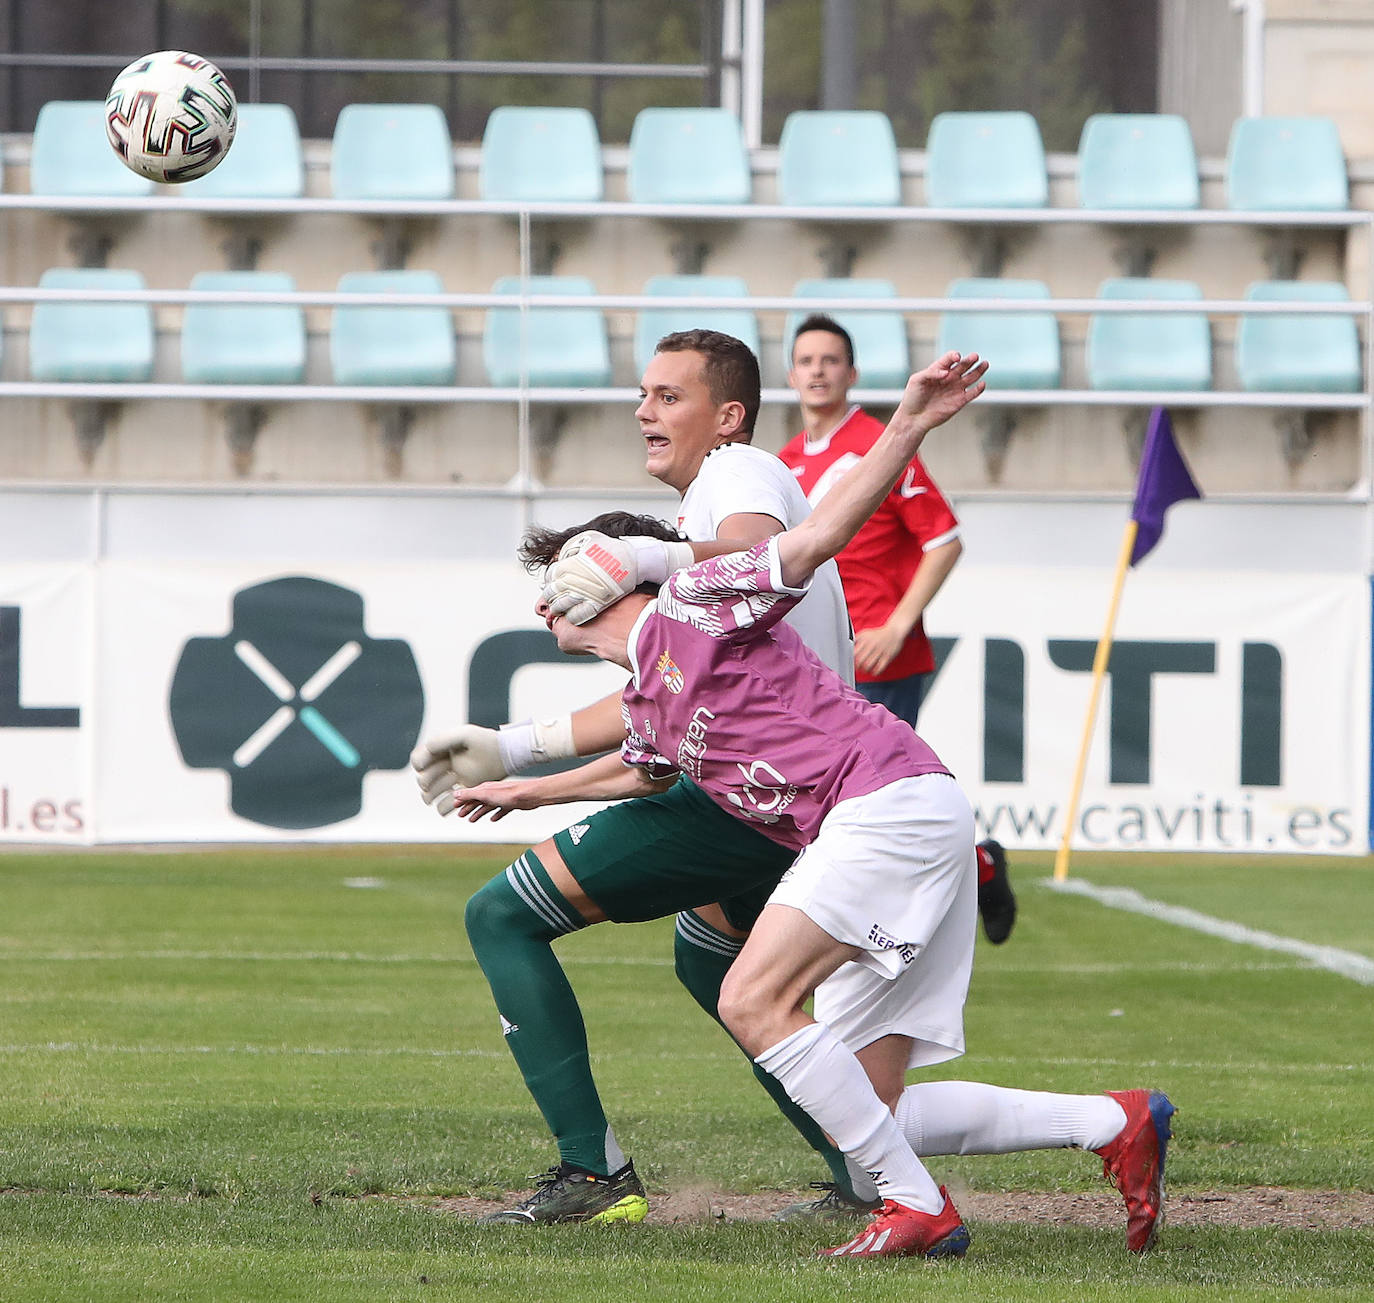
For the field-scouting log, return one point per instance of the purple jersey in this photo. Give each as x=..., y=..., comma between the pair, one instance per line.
x=730, y=696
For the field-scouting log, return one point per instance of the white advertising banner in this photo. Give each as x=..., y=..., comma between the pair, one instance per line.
x=45, y=704
x=251, y=704
x=165, y=702
x=1235, y=716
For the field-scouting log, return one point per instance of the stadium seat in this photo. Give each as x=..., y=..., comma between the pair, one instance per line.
x=548, y=155
x=653, y=323
x=1154, y=351
x=985, y=160
x=392, y=345
x=687, y=156
x=93, y=342
x=391, y=151
x=243, y=344
x=1137, y=160
x=846, y=158
x=881, y=351
x=1286, y=164
x=265, y=163
x=71, y=155
x=566, y=346
x=1299, y=352
x=1021, y=348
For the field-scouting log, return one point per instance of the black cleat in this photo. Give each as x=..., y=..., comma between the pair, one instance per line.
x=833, y=1206
x=996, y=902
x=569, y=1194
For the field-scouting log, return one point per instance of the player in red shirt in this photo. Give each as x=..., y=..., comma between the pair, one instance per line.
x=895, y=564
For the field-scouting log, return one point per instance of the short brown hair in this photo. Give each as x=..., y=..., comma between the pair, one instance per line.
x=729, y=366
x=820, y=321
x=540, y=546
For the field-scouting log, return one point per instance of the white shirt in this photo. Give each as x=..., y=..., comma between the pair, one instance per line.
x=741, y=479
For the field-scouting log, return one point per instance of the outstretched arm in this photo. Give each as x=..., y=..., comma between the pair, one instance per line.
x=931, y=397
x=606, y=779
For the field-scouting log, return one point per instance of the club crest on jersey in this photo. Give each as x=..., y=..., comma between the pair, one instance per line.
x=670, y=674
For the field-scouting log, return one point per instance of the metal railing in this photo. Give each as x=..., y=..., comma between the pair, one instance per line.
x=525, y=396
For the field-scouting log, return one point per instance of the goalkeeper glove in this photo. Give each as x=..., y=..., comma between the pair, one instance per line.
x=594, y=572
x=472, y=754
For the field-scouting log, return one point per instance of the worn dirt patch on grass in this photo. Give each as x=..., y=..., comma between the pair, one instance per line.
x=1260, y=1206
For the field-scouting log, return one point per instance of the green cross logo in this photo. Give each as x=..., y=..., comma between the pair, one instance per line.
x=296, y=703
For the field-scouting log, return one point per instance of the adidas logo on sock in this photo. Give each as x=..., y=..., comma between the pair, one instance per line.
x=576, y=832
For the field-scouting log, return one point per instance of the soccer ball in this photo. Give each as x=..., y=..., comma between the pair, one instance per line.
x=171, y=116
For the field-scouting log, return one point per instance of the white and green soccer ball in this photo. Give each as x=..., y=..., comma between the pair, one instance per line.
x=171, y=116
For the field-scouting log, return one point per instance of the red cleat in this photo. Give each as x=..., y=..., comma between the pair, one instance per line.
x=900, y=1232
x=1134, y=1162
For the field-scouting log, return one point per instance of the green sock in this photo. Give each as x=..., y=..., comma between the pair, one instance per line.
x=702, y=955
x=511, y=922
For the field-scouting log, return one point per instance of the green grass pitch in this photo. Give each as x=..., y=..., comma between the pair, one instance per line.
x=210, y=1058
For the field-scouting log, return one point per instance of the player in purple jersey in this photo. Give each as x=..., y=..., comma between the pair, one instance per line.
x=876, y=916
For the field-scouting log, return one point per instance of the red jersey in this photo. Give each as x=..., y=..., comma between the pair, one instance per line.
x=877, y=566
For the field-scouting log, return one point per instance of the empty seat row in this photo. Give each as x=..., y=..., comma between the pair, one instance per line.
x=697, y=156
x=265, y=344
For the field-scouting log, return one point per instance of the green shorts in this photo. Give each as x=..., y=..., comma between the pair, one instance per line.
x=655, y=856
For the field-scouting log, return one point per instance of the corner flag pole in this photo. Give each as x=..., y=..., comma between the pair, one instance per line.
x=1104, y=651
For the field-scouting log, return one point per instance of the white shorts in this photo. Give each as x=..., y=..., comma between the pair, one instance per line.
x=894, y=873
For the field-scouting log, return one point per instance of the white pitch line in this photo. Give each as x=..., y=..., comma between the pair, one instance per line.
x=265, y=1051
x=292, y=957
x=1344, y=963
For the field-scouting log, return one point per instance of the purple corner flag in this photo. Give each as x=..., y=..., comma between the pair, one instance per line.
x=1164, y=479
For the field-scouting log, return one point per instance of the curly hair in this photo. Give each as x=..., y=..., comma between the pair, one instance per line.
x=540, y=546
x=730, y=369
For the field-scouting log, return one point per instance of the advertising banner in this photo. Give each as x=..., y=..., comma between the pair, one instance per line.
x=155, y=701
x=1234, y=718
x=244, y=703
x=46, y=717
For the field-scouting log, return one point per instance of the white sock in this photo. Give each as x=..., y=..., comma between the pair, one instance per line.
x=615, y=1156
x=969, y=1117
x=860, y=1181
x=823, y=1077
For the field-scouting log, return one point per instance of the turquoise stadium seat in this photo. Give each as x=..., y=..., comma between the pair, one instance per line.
x=392, y=345
x=838, y=158
x=881, y=351
x=687, y=156
x=985, y=160
x=1286, y=163
x=1130, y=351
x=265, y=163
x=568, y=347
x=1021, y=348
x=1137, y=160
x=1298, y=353
x=92, y=342
x=71, y=155
x=391, y=151
x=653, y=323
x=548, y=155
x=243, y=344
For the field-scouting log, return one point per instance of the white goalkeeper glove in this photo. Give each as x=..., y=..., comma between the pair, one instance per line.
x=594, y=572
x=472, y=754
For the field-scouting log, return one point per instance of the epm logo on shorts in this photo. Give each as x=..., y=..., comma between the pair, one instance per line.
x=296, y=703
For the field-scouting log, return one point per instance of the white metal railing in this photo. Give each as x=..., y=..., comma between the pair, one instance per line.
x=429, y=395
x=525, y=396
x=169, y=202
